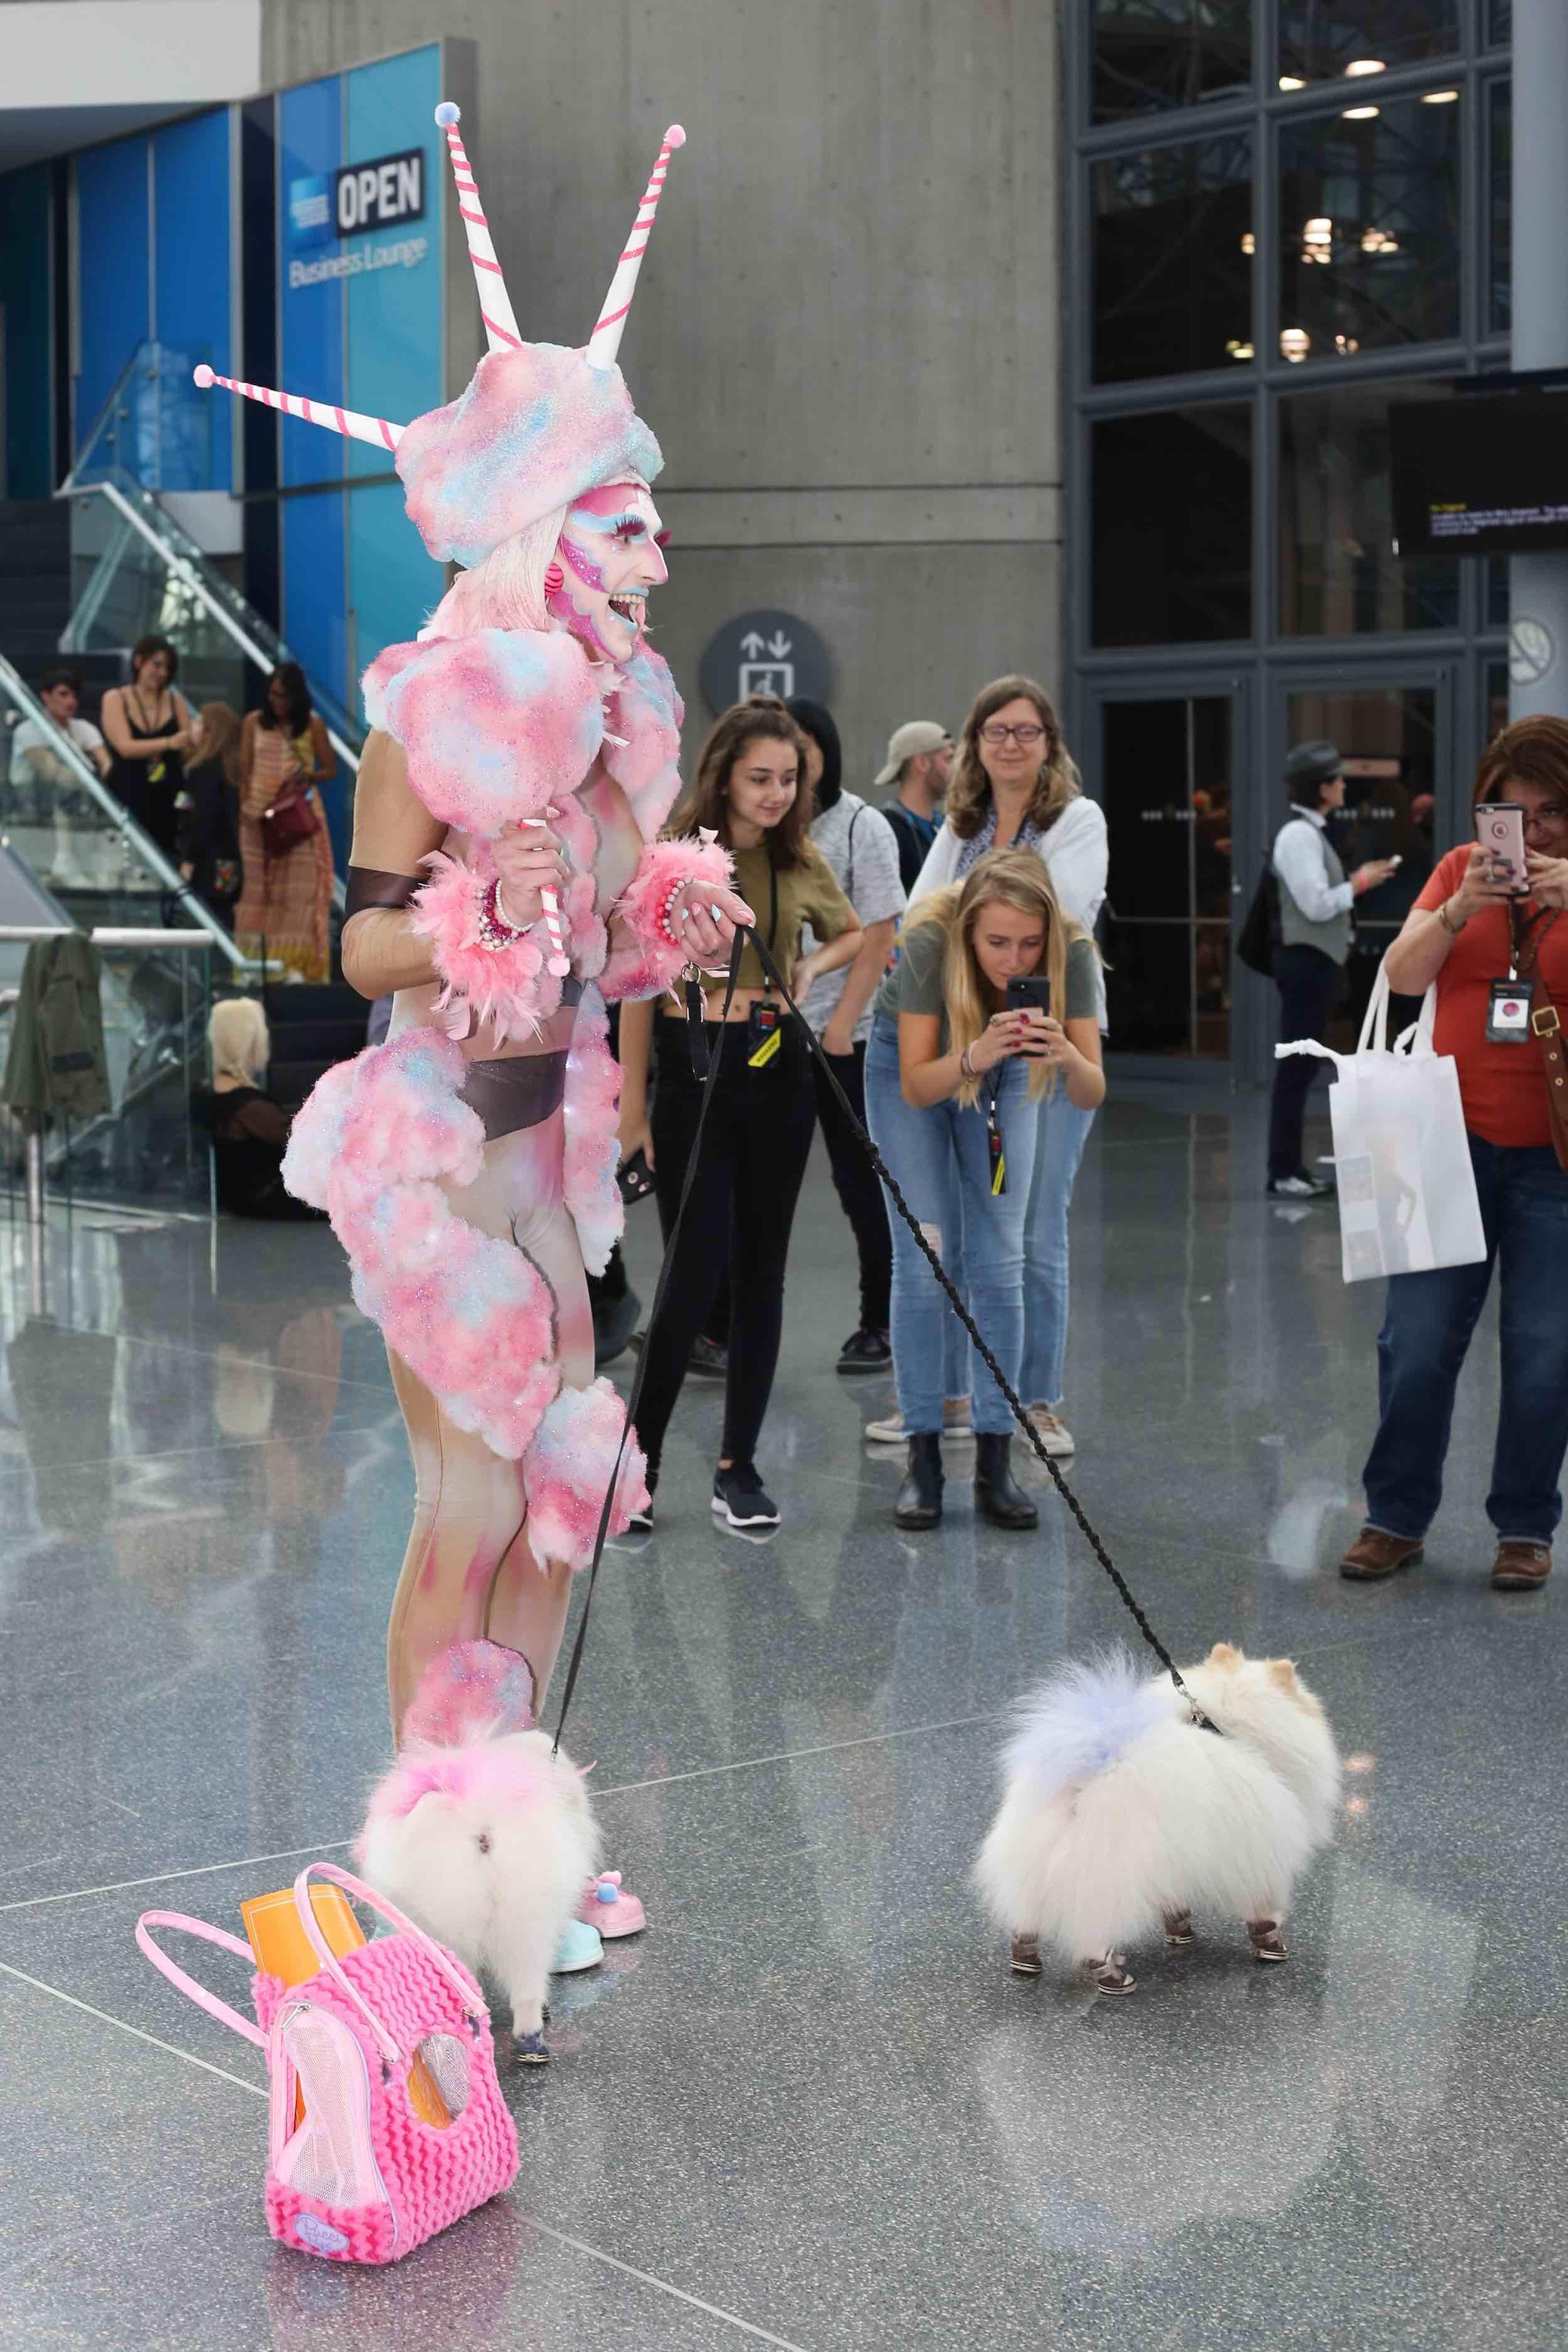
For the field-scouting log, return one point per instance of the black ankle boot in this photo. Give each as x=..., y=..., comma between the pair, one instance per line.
x=997, y=1494
x=920, y=1497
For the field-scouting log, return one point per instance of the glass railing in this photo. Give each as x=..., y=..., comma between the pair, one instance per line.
x=65, y=829
x=127, y=1126
x=155, y=427
x=136, y=572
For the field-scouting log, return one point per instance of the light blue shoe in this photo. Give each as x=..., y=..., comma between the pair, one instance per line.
x=581, y=1947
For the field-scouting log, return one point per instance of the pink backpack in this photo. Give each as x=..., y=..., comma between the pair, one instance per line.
x=362, y=2177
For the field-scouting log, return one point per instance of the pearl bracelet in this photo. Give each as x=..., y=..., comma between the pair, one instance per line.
x=495, y=932
x=665, y=907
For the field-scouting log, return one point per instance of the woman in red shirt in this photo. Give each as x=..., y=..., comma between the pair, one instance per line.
x=1465, y=932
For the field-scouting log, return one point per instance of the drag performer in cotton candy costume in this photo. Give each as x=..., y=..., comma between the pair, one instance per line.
x=505, y=852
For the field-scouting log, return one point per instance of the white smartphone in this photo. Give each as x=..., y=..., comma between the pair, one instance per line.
x=1500, y=828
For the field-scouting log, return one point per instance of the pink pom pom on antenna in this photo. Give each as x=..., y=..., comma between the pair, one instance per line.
x=675, y=136
x=205, y=376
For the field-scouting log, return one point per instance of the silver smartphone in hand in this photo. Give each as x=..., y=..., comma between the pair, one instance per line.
x=1499, y=829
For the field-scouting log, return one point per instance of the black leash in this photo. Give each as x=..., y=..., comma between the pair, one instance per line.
x=1090, y=1535
x=705, y=1062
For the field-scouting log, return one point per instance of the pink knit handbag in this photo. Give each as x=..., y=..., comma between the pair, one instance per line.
x=361, y=2177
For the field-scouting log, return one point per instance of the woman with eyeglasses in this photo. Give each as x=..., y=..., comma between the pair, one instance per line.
x=959, y=1067
x=1468, y=932
x=1014, y=785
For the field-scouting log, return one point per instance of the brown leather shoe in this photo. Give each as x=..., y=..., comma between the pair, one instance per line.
x=1520, y=1566
x=1373, y=1555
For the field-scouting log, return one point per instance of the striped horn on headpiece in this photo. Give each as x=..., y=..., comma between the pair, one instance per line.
x=495, y=303
x=374, y=429
x=606, y=340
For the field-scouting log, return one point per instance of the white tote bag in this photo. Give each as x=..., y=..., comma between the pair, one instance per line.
x=1407, y=1188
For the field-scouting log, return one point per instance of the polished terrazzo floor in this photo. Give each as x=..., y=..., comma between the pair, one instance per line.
x=810, y=2108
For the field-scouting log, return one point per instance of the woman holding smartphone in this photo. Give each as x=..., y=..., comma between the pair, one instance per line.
x=992, y=1009
x=763, y=1111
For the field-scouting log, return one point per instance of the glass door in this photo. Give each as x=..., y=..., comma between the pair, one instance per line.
x=1167, y=770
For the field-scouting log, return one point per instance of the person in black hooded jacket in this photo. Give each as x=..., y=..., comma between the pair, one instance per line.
x=862, y=849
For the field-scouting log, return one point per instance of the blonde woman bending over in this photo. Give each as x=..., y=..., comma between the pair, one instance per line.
x=956, y=1072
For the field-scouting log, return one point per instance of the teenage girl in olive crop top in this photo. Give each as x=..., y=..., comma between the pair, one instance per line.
x=763, y=1112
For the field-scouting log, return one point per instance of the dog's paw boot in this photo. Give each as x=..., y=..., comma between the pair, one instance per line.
x=1179, y=1929
x=529, y=2050
x=581, y=1947
x=1025, y=1954
x=1267, y=1944
x=1111, y=1974
x=608, y=1906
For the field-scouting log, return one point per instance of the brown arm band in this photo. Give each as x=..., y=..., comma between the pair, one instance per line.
x=370, y=886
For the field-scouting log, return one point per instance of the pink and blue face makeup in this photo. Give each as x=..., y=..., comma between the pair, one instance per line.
x=609, y=557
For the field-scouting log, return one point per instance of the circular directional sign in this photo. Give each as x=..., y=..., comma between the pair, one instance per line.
x=1532, y=651
x=764, y=653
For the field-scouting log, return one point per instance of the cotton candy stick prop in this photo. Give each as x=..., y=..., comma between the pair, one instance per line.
x=606, y=340
x=560, y=963
x=495, y=303
x=374, y=429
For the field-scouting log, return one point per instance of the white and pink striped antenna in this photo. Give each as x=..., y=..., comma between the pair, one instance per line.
x=495, y=303
x=606, y=340
x=374, y=429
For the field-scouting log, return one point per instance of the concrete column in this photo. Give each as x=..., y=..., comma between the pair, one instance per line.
x=1538, y=584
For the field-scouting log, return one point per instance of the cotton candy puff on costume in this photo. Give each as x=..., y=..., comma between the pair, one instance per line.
x=499, y=726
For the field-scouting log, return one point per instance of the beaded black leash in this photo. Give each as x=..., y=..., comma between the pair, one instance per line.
x=1014, y=1404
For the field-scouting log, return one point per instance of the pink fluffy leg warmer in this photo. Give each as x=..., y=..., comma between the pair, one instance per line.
x=567, y=1468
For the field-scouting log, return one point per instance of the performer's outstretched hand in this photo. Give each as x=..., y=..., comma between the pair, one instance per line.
x=708, y=918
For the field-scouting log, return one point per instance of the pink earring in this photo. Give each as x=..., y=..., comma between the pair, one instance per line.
x=555, y=580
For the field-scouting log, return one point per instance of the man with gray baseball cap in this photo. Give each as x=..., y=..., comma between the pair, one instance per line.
x=1315, y=900
x=920, y=757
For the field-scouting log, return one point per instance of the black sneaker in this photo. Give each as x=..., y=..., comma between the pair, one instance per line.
x=1300, y=1187
x=739, y=1499
x=866, y=1351
x=708, y=1359
x=641, y=1522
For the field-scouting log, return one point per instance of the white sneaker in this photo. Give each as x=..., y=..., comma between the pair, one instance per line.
x=1053, y=1433
x=956, y=1426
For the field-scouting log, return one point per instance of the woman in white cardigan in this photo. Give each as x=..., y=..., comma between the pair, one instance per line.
x=1015, y=786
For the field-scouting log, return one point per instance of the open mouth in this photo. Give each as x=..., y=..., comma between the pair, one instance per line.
x=629, y=607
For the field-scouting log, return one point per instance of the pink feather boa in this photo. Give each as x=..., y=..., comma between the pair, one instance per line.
x=646, y=962
x=468, y=1313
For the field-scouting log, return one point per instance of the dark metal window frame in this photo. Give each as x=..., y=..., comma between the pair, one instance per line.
x=1263, y=669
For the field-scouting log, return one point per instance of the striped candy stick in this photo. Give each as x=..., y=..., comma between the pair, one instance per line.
x=495, y=303
x=606, y=340
x=560, y=963
x=374, y=429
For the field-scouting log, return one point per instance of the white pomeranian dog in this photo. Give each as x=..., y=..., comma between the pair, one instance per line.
x=1120, y=1814
x=480, y=1832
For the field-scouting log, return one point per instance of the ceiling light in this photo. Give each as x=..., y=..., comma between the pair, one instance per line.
x=1294, y=342
x=1439, y=97
x=1248, y=242
x=1361, y=113
x=1291, y=81
x=1238, y=351
x=1379, y=240
x=1345, y=345
x=1365, y=65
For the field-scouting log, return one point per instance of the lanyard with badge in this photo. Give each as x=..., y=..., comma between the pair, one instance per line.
x=997, y=1156
x=764, y=1023
x=1508, y=1001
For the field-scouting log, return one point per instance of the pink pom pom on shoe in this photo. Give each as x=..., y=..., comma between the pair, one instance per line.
x=606, y=1905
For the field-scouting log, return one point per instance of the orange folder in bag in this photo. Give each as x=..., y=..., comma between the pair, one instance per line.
x=282, y=1949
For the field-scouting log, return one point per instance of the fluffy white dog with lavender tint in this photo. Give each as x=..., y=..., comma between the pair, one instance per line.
x=1120, y=1814
x=480, y=1832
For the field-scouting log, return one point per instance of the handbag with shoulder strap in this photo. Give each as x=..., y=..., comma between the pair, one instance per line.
x=1547, y=1028
x=292, y=819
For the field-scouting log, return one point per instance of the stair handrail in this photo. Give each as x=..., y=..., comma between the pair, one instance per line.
x=103, y=417
x=89, y=781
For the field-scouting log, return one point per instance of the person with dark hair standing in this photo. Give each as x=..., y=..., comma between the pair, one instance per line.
x=1466, y=933
x=863, y=856
x=150, y=727
x=764, y=1109
x=1315, y=900
x=919, y=761
x=285, y=757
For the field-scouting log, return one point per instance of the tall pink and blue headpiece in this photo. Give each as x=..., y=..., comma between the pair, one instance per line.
x=538, y=425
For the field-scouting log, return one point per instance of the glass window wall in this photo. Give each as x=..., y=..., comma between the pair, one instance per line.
x=1339, y=575
x=1323, y=41
x=1148, y=55
x=1369, y=228
x=1172, y=259
x=1172, y=526
x=1499, y=206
